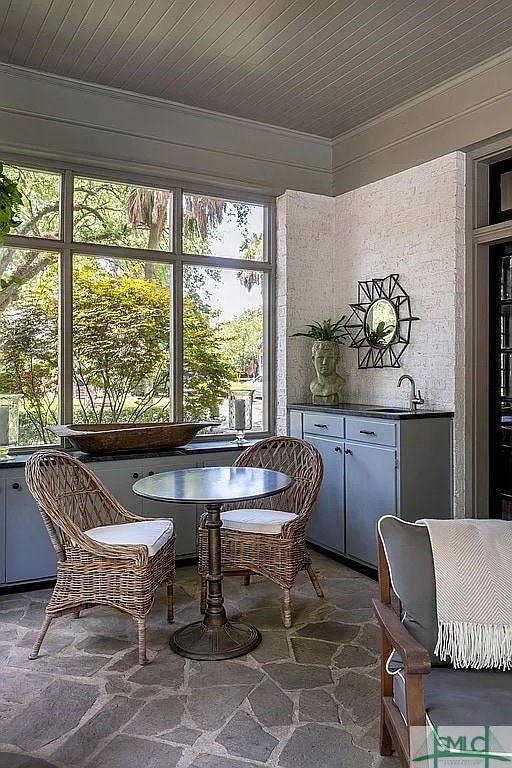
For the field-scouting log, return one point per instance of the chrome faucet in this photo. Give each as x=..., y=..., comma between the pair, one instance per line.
x=415, y=397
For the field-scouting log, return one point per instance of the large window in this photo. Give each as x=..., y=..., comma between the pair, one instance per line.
x=133, y=303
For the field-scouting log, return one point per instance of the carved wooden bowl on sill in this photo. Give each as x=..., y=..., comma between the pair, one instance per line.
x=113, y=438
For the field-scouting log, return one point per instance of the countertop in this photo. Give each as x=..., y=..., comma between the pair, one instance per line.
x=372, y=411
x=213, y=446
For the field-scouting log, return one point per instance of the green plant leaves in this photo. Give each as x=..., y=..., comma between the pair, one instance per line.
x=10, y=199
x=326, y=330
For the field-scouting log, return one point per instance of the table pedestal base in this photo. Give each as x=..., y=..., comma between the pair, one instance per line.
x=199, y=641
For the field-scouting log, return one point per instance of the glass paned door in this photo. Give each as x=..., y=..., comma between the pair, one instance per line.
x=500, y=382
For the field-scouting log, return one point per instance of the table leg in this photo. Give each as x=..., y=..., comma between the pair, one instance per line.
x=215, y=637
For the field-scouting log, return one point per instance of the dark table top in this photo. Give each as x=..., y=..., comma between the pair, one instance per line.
x=205, y=485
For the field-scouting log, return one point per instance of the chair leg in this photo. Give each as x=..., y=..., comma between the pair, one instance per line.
x=202, y=603
x=170, y=603
x=386, y=745
x=141, y=624
x=314, y=580
x=287, y=605
x=37, y=645
x=247, y=580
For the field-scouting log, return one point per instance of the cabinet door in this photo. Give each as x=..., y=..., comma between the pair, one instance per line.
x=119, y=478
x=184, y=516
x=326, y=524
x=29, y=553
x=370, y=491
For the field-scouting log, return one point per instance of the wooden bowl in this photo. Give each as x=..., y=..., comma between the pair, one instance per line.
x=114, y=438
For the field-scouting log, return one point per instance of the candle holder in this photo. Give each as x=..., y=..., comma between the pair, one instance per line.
x=9, y=423
x=240, y=412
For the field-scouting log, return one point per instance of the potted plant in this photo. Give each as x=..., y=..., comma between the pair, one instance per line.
x=327, y=337
x=10, y=200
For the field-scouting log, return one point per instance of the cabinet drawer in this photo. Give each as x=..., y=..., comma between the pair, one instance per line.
x=324, y=424
x=367, y=431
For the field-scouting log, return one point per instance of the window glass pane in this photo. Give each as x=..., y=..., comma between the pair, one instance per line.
x=506, y=191
x=121, y=214
x=218, y=227
x=223, y=342
x=121, y=333
x=28, y=340
x=39, y=214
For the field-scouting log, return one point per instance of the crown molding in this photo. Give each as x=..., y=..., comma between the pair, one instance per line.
x=454, y=115
x=175, y=107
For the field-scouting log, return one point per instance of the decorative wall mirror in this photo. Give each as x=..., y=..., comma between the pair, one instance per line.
x=380, y=323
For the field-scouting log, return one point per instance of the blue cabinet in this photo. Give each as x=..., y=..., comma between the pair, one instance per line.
x=326, y=525
x=374, y=467
x=29, y=553
x=370, y=492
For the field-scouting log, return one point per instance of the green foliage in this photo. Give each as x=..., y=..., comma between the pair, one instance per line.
x=241, y=340
x=326, y=330
x=379, y=334
x=13, y=280
x=10, y=201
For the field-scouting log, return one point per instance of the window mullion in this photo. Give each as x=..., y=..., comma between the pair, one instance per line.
x=176, y=330
x=66, y=304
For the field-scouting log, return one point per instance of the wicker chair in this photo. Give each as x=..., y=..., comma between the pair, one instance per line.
x=267, y=536
x=105, y=554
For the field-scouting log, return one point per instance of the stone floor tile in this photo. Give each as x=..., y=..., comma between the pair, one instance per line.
x=212, y=711
x=114, y=714
x=354, y=656
x=94, y=661
x=101, y=644
x=309, y=651
x=296, y=676
x=244, y=737
x=273, y=646
x=165, y=669
x=184, y=735
x=158, y=716
x=360, y=695
x=48, y=717
x=317, y=706
x=19, y=685
x=203, y=674
x=323, y=746
x=130, y=752
x=13, y=760
x=215, y=761
x=270, y=705
x=369, y=637
x=332, y=631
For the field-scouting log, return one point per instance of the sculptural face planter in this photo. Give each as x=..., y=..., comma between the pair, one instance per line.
x=326, y=387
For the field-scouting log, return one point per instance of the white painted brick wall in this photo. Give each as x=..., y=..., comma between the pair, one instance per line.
x=412, y=224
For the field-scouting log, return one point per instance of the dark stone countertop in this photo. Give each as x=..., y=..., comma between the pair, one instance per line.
x=372, y=411
x=194, y=448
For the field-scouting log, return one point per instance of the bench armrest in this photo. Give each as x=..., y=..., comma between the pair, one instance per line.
x=415, y=657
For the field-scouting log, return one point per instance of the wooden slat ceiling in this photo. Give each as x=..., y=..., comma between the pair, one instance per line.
x=310, y=65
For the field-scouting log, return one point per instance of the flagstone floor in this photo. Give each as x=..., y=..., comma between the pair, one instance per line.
x=305, y=698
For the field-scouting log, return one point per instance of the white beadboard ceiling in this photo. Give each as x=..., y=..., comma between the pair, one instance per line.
x=310, y=65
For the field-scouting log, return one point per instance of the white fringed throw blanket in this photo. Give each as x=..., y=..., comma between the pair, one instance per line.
x=473, y=572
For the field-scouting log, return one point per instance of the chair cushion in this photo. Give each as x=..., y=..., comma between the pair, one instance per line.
x=256, y=520
x=152, y=533
x=465, y=697
x=409, y=556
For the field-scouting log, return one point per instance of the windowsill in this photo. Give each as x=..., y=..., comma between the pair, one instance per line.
x=199, y=447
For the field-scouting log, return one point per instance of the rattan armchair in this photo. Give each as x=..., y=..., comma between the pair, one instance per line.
x=267, y=536
x=92, y=569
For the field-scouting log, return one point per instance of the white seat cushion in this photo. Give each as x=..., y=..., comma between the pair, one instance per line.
x=152, y=533
x=256, y=520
